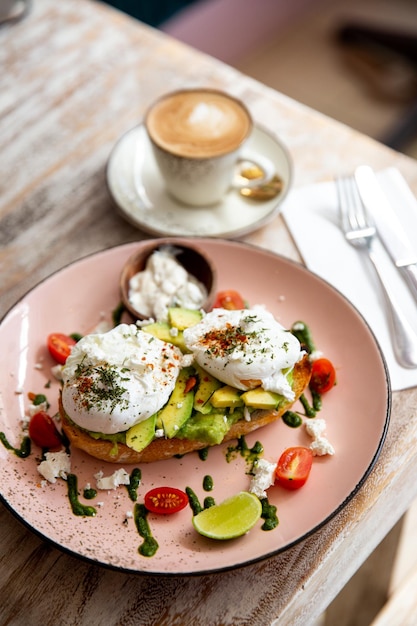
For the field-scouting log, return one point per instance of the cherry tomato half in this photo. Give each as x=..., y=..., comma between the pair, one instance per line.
x=323, y=376
x=229, y=299
x=43, y=432
x=294, y=467
x=165, y=500
x=59, y=346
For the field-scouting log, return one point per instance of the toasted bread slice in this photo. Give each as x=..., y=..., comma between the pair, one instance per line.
x=161, y=448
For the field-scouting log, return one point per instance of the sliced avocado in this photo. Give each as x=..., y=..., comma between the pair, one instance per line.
x=179, y=406
x=260, y=399
x=182, y=318
x=210, y=428
x=163, y=331
x=226, y=397
x=140, y=435
x=207, y=385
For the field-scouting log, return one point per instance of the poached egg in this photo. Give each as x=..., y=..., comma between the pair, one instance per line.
x=114, y=380
x=245, y=349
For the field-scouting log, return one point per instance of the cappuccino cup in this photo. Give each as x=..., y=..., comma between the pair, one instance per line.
x=198, y=138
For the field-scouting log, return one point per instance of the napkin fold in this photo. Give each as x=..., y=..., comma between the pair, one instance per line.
x=312, y=216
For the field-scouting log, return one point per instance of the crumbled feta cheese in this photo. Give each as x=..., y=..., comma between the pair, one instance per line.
x=263, y=478
x=315, y=427
x=56, y=465
x=35, y=408
x=56, y=371
x=159, y=432
x=119, y=477
x=320, y=445
x=315, y=355
x=173, y=331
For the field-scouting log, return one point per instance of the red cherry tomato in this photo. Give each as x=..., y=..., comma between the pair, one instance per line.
x=294, y=467
x=59, y=346
x=43, y=432
x=323, y=376
x=229, y=299
x=165, y=500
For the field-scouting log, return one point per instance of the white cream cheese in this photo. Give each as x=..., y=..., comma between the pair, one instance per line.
x=244, y=349
x=164, y=283
x=114, y=380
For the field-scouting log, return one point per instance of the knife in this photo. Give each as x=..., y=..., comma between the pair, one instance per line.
x=390, y=229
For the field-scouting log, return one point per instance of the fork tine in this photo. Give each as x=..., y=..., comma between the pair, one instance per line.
x=353, y=212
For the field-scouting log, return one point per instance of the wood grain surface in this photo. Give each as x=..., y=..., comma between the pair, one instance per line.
x=74, y=76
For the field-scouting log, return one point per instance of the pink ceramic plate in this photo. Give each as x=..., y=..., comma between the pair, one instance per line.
x=357, y=415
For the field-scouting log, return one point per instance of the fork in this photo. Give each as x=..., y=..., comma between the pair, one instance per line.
x=360, y=232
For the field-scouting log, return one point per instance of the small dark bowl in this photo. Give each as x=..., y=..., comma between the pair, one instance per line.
x=194, y=260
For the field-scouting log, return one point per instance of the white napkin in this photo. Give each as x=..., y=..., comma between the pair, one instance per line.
x=312, y=217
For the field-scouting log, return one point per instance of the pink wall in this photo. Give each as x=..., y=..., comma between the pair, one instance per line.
x=228, y=29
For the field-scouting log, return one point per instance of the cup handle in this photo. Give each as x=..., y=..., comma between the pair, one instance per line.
x=260, y=161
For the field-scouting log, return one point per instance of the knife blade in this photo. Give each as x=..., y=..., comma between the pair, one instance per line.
x=389, y=227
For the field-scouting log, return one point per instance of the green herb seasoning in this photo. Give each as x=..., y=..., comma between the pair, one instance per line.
x=21, y=452
x=149, y=546
x=100, y=385
x=76, y=506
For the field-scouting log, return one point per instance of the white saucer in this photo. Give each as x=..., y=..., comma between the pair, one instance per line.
x=138, y=190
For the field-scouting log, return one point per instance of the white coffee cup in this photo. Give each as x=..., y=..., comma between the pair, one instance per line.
x=198, y=138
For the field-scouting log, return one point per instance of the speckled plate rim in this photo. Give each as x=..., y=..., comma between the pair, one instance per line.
x=152, y=210
x=285, y=302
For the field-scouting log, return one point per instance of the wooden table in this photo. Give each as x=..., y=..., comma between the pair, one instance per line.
x=74, y=76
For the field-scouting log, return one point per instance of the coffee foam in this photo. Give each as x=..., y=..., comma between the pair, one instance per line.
x=198, y=124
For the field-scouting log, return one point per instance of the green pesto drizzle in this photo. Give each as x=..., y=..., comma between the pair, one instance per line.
x=291, y=419
x=134, y=482
x=89, y=493
x=303, y=334
x=193, y=501
x=40, y=398
x=149, y=546
x=203, y=454
x=309, y=410
x=208, y=502
x=76, y=506
x=269, y=514
x=249, y=454
x=21, y=452
x=207, y=483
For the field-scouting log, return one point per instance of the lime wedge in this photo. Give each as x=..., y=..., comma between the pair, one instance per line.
x=229, y=519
